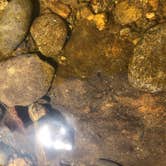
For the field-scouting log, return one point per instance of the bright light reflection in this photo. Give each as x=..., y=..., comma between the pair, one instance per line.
x=62, y=130
x=44, y=138
x=59, y=145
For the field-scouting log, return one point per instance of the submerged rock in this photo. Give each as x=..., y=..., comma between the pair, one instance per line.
x=147, y=68
x=14, y=23
x=3, y=4
x=49, y=32
x=126, y=13
x=24, y=79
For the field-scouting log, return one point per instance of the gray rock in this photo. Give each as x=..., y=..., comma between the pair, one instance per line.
x=14, y=23
x=49, y=32
x=147, y=67
x=24, y=79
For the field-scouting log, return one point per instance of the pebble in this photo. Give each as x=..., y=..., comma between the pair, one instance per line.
x=150, y=15
x=100, y=19
x=126, y=13
x=15, y=20
x=24, y=79
x=49, y=32
x=60, y=9
x=3, y=4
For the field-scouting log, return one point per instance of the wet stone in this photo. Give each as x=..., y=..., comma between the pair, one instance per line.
x=147, y=68
x=24, y=79
x=49, y=32
x=14, y=23
x=3, y=4
x=126, y=13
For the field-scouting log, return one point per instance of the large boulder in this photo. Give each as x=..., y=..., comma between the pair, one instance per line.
x=147, y=68
x=24, y=79
x=15, y=18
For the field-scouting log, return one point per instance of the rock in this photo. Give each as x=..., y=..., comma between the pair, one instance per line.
x=150, y=15
x=49, y=32
x=14, y=23
x=126, y=13
x=36, y=111
x=24, y=79
x=147, y=68
x=99, y=6
x=55, y=6
x=84, y=12
x=99, y=19
x=154, y=4
x=20, y=162
x=59, y=8
x=3, y=4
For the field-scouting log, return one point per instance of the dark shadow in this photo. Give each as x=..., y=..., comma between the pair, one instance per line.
x=110, y=161
x=49, y=60
x=22, y=113
x=36, y=8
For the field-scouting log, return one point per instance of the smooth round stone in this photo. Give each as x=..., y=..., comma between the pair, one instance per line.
x=24, y=79
x=15, y=19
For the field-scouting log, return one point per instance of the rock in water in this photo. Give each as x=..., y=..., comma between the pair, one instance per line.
x=24, y=79
x=126, y=13
x=14, y=23
x=49, y=32
x=147, y=68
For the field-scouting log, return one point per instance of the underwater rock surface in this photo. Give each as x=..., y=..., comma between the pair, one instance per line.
x=49, y=32
x=147, y=68
x=15, y=20
x=24, y=79
x=89, y=51
x=126, y=13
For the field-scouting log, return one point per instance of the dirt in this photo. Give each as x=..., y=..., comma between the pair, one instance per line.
x=112, y=120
